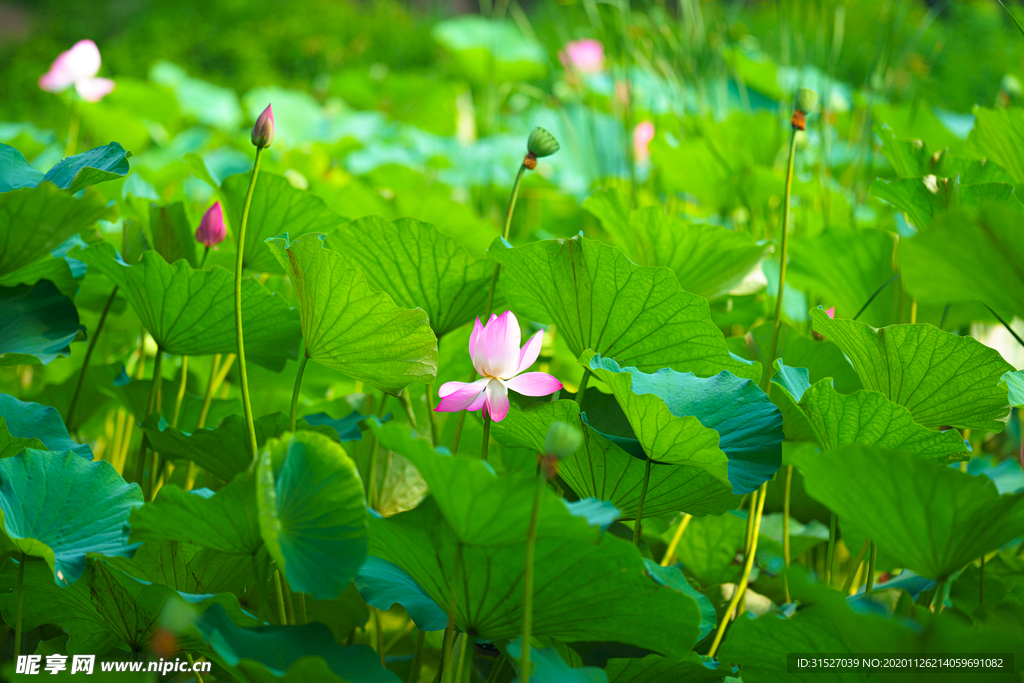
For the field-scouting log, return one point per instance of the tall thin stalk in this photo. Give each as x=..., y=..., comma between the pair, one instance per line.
x=531, y=548
x=243, y=377
x=785, y=530
x=181, y=391
x=870, y=585
x=676, y=537
x=88, y=356
x=434, y=435
x=417, y=658
x=830, y=554
x=294, y=413
x=638, y=523
x=151, y=406
x=449, y=641
x=487, y=434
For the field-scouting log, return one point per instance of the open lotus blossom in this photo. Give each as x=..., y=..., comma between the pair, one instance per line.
x=211, y=230
x=586, y=56
x=500, y=363
x=78, y=67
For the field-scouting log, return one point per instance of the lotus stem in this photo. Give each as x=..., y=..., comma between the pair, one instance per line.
x=748, y=564
x=403, y=398
x=72, y=144
x=19, y=605
x=870, y=585
x=371, y=491
x=192, y=663
x=434, y=436
x=583, y=387
x=941, y=593
x=417, y=658
x=88, y=356
x=449, y=633
x=783, y=254
x=243, y=378
x=637, y=524
x=378, y=628
x=848, y=584
x=151, y=406
x=785, y=530
x=676, y=537
x=464, y=654
x=282, y=612
x=504, y=233
x=217, y=374
x=259, y=587
x=531, y=548
x=293, y=415
x=496, y=670
x=831, y=552
x=487, y=434
x=181, y=391
x=458, y=432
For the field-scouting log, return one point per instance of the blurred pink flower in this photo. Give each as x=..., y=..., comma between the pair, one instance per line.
x=585, y=56
x=500, y=362
x=211, y=230
x=642, y=136
x=78, y=67
x=831, y=312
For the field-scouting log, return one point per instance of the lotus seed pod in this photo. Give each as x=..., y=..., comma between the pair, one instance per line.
x=542, y=143
x=263, y=131
x=805, y=100
x=562, y=440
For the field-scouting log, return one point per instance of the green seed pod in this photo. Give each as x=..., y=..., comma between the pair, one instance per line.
x=542, y=143
x=562, y=440
x=805, y=100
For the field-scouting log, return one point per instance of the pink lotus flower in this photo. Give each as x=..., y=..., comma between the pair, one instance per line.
x=78, y=67
x=263, y=131
x=211, y=230
x=586, y=56
x=642, y=136
x=498, y=359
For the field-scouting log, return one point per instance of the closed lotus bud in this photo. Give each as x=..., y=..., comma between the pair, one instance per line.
x=542, y=143
x=805, y=100
x=211, y=230
x=562, y=440
x=263, y=131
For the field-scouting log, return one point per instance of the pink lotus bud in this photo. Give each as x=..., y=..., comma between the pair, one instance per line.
x=642, y=136
x=211, y=230
x=263, y=131
x=586, y=56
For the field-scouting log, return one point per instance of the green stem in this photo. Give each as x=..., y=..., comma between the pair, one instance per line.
x=831, y=552
x=783, y=254
x=282, y=613
x=378, y=627
x=371, y=490
x=88, y=356
x=463, y=655
x=496, y=670
x=785, y=530
x=289, y=604
x=202, y=261
x=434, y=436
x=243, y=378
x=192, y=663
x=941, y=593
x=181, y=391
x=640, y=505
x=72, y=144
x=259, y=587
x=417, y=658
x=848, y=584
x=583, y=387
x=150, y=408
x=449, y=642
x=403, y=398
x=301, y=618
x=458, y=432
x=748, y=564
x=508, y=223
x=531, y=547
x=293, y=415
x=487, y=434
x=870, y=585
x=20, y=590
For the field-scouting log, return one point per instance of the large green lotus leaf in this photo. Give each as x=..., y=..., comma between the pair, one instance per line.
x=586, y=588
x=481, y=508
x=821, y=358
x=131, y=608
x=223, y=451
x=864, y=417
x=57, y=267
x=37, y=324
x=932, y=519
x=186, y=567
x=925, y=198
x=845, y=267
x=601, y=301
x=1013, y=383
x=681, y=418
x=15, y=172
x=171, y=234
x=709, y=260
x=287, y=653
x=312, y=512
x=225, y=521
x=61, y=507
x=418, y=267
x=277, y=207
x=549, y=666
x=30, y=425
x=192, y=312
x=383, y=584
x=998, y=135
x=350, y=327
x=601, y=469
x=77, y=172
x=942, y=264
x=942, y=378
x=485, y=50
x=35, y=221
x=913, y=159
x=655, y=669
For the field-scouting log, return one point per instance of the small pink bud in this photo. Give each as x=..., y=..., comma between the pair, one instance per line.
x=263, y=131
x=642, y=136
x=211, y=230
